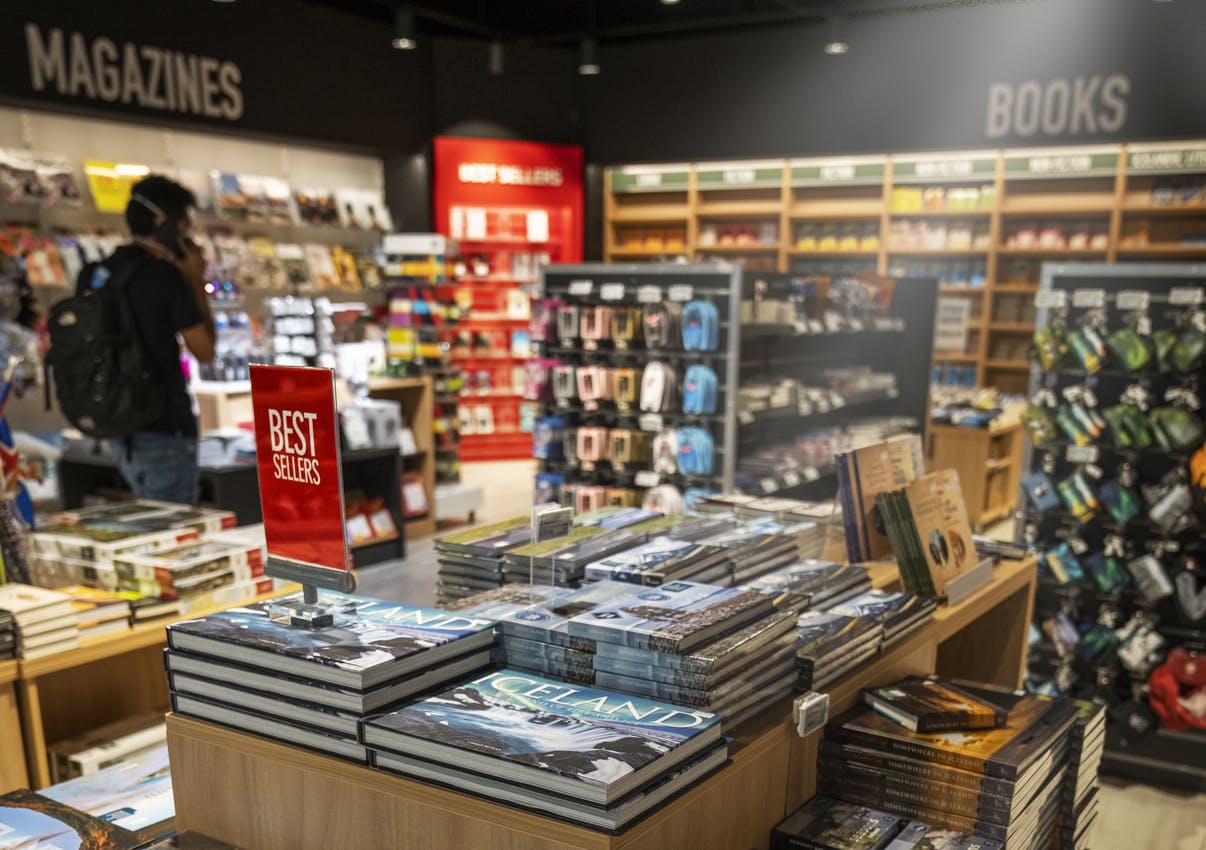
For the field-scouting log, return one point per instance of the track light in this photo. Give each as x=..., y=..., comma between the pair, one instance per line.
x=496, y=59
x=588, y=60
x=837, y=44
x=404, y=31
x=669, y=2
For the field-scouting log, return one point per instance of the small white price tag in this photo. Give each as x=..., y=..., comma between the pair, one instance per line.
x=550, y=522
x=791, y=479
x=857, y=325
x=649, y=294
x=1082, y=454
x=650, y=422
x=816, y=326
x=801, y=329
x=823, y=405
x=811, y=473
x=646, y=478
x=1051, y=299
x=836, y=401
x=884, y=324
x=612, y=292
x=581, y=288
x=893, y=393
x=1088, y=299
x=805, y=408
x=1133, y=299
x=1186, y=296
x=833, y=323
x=681, y=292
x=1079, y=546
x=899, y=324
x=745, y=417
x=769, y=485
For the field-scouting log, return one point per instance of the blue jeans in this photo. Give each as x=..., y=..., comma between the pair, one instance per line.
x=159, y=466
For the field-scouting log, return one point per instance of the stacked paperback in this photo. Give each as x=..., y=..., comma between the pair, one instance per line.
x=106, y=746
x=589, y=756
x=827, y=824
x=8, y=636
x=563, y=561
x=829, y=645
x=812, y=584
x=471, y=561
x=1004, y=783
x=674, y=553
x=1080, y=803
x=755, y=549
x=900, y=613
x=312, y=687
x=45, y=621
x=203, y=574
x=98, y=612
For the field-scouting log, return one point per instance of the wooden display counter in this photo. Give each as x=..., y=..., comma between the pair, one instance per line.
x=12, y=762
x=107, y=678
x=262, y=795
x=417, y=399
x=989, y=463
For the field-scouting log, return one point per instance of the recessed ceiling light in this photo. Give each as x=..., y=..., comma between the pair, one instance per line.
x=588, y=60
x=404, y=31
x=497, y=58
x=837, y=44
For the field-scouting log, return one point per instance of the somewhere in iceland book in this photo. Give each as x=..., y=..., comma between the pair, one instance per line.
x=586, y=743
x=929, y=705
x=827, y=824
x=372, y=643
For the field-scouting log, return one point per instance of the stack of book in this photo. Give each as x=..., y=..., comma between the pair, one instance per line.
x=86, y=755
x=829, y=645
x=662, y=559
x=563, y=561
x=862, y=475
x=134, y=793
x=1002, y=783
x=827, y=824
x=1080, y=802
x=900, y=613
x=8, y=636
x=80, y=547
x=589, y=756
x=720, y=649
x=98, y=612
x=45, y=621
x=197, y=575
x=471, y=561
x=917, y=835
x=812, y=584
x=926, y=521
x=312, y=687
x=754, y=549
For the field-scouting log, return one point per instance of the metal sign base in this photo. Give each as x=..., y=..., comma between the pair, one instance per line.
x=310, y=611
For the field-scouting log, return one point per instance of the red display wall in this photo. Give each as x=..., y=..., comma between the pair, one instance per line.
x=511, y=207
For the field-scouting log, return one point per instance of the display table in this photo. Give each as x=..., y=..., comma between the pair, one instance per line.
x=262, y=795
x=222, y=404
x=989, y=463
x=12, y=765
x=107, y=678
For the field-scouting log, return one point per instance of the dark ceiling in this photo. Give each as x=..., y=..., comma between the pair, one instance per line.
x=564, y=21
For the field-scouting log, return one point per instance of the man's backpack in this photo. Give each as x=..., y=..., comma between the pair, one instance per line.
x=104, y=375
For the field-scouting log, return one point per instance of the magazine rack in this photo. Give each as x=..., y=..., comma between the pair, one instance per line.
x=263, y=795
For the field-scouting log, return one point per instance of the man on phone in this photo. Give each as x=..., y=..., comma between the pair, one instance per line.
x=166, y=293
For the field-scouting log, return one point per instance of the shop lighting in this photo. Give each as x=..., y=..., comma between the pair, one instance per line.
x=837, y=44
x=404, y=29
x=497, y=58
x=588, y=61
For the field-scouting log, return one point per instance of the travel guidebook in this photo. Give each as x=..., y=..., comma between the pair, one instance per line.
x=134, y=794
x=372, y=643
x=675, y=617
x=922, y=836
x=827, y=824
x=490, y=540
x=588, y=744
x=547, y=621
x=927, y=705
x=29, y=820
x=653, y=562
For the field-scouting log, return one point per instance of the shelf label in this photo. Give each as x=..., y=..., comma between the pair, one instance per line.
x=939, y=169
x=830, y=172
x=551, y=522
x=1167, y=160
x=816, y=326
x=1061, y=164
x=800, y=328
x=649, y=294
x=1051, y=299
x=811, y=473
x=612, y=292
x=791, y=479
x=681, y=292
x=805, y=408
x=1186, y=296
x=646, y=478
x=1082, y=454
x=1133, y=299
x=737, y=175
x=745, y=417
x=581, y=288
x=857, y=326
x=1088, y=299
x=769, y=485
x=650, y=179
x=650, y=422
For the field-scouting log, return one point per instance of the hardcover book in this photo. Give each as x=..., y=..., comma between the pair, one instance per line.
x=820, y=633
x=862, y=475
x=929, y=705
x=651, y=562
x=930, y=532
x=801, y=585
x=29, y=820
x=826, y=824
x=675, y=617
x=29, y=605
x=548, y=621
x=135, y=793
x=371, y=644
x=921, y=836
x=489, y=540
x=584, y=743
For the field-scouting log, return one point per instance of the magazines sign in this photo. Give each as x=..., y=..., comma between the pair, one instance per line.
x=301, y=490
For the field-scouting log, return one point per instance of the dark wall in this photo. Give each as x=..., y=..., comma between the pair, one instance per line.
x=911, y=81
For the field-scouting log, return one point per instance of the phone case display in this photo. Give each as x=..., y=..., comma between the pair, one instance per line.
x=236, y=347
x=301, y=332
x=635, y=375
x=828, y=365
x=1113, y=501
x=514, y=207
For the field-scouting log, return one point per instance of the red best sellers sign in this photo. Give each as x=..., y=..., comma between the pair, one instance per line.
x=297, y=452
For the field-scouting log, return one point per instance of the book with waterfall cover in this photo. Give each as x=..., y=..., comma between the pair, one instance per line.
x=585, y=743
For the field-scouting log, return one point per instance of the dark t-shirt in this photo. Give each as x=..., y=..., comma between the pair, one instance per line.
x=164, y=304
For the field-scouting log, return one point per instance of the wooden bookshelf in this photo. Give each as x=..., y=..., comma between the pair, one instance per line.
x=772, y=769
x=13, y=773
x=839, y=214
x=416, y=397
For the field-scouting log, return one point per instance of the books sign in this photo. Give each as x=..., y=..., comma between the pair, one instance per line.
x=301, y=488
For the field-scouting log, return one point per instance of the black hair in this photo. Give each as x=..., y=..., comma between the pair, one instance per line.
x=162, y=192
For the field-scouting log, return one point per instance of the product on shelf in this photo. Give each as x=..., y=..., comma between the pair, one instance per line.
x=45, y=622
x=863, y=474
x=811, y=584
x=827, y=824
x=133, y=792
x=930, y=705
x=87, y=755
x=28, y=820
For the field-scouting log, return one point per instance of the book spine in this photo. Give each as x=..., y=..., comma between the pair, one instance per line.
x=914, y=750
x=914, y=811
x=955, y=799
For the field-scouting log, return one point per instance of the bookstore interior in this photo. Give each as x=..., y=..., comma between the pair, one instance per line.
x=617, y=425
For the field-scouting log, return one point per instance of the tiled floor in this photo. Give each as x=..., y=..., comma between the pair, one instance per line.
x=1133, y=817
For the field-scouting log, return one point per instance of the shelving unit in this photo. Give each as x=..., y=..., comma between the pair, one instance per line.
x=415, y=396
x=988, y=461
x=838, y=215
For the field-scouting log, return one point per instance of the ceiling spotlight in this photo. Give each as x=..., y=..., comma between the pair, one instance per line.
x=588, y=60
x=404, y=31
x=496, y=59
x=837, y=44
x=669, y=2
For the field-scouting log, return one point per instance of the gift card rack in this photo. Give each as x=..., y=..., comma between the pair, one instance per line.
x=1110, y=602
